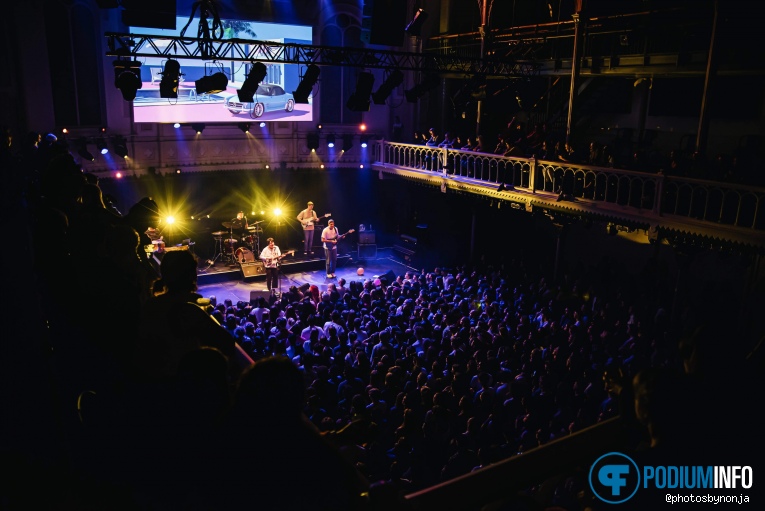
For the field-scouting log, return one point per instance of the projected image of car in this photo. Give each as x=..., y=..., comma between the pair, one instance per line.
x=267, y=98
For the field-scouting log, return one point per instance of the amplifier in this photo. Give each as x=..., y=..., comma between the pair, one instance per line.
x=367, y=238
x=253, y=269
x=368, y=251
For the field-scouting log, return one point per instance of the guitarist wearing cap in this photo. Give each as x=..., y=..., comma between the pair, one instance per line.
x=308, y=219
x=329, y=237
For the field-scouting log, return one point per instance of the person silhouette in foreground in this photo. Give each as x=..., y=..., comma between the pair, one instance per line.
x=283, y=462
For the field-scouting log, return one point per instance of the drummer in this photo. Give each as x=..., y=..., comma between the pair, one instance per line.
x=239, y=225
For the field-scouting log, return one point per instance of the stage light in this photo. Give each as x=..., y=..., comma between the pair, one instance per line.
x=305, y=86
x=82, y=150
x=262, y=124
x=170, y=220
x=118, y=175
x=313, y=142
x=395, y=79
x=244, y=126
x=363, y=127
x=364, y=140
x=119, y=146
x=171, y=75
x=250, y=86
x=101, y=145
x=177, y=125
x=330, y=141
x=347, y=142
x=64, y=131
x=211, y=84
x=127, y=77
x=198, y=127
x=415, y=26
x=359, y=99
x=321, y=166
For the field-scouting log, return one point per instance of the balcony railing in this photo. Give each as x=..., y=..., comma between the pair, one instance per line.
x=638, y=193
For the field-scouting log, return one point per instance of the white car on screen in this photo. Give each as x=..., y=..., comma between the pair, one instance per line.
x=267, y=98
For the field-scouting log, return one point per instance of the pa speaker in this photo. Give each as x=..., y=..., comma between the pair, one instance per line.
x=255, y=295
x=388, y=278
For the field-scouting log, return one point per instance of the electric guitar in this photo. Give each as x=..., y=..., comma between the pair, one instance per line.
x=309, y=221
x=342, y=236
x=271, y=260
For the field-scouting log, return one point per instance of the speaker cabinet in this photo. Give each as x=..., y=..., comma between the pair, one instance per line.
x=259, y=293
x=367, y=251
x=253, y=269
x=367, y=238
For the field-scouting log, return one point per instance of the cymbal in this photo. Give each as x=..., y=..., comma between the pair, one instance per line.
x=254, y=229
x=219, y=233
x=227, y=225
x=258, y=222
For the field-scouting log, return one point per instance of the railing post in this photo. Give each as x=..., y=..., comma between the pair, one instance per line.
x=533, y=175
x=659, y=193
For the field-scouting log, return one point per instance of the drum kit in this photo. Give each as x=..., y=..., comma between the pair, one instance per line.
x=231, y=249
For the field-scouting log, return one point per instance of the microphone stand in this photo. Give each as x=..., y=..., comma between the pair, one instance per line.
x=279, y=276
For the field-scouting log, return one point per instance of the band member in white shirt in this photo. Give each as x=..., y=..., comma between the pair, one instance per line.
x=270, y=257
x=329, y=237
x=308, y=218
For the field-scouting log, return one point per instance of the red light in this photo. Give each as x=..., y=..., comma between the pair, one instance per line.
x=363, y=127
x=119, y=175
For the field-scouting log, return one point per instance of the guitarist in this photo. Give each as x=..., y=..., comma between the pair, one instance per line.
x=329, y=237
x=270, y=257
x=308, y=218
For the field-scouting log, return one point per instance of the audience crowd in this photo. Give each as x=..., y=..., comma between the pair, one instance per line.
x=173, y=400
x=541, y=142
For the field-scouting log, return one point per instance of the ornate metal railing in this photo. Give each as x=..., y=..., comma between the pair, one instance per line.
x=711, y=202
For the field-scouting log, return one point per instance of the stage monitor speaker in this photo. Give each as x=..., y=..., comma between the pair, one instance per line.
x=253, y=269
x=256, y=294
x=388, y=278
x=367, y=238
x=367, y=251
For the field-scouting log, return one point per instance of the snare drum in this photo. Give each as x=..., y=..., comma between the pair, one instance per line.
x=159, y=246
x=229, y=245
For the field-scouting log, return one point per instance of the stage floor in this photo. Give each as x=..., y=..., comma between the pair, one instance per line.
x=225, y=282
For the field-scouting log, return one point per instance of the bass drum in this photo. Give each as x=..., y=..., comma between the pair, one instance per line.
x=229, y=245
x=244, y=255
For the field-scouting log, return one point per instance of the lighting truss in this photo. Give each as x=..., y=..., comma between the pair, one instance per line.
x=243, y=50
